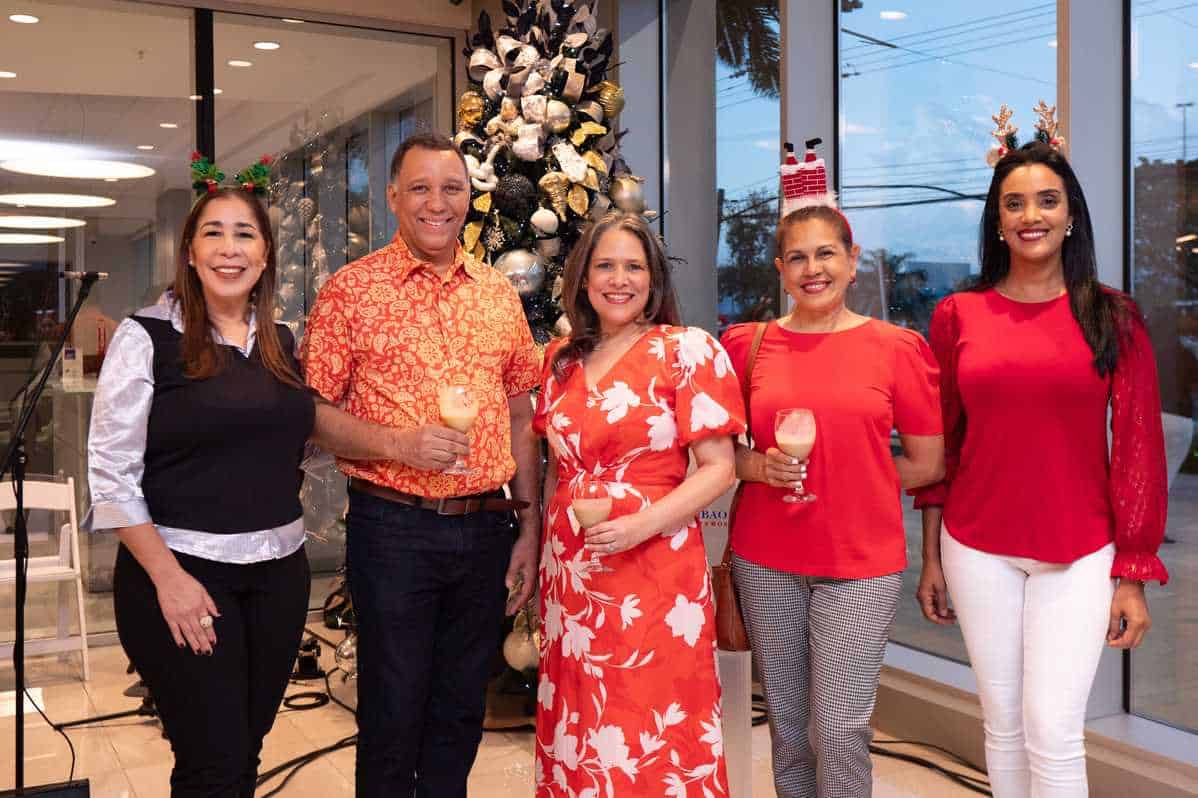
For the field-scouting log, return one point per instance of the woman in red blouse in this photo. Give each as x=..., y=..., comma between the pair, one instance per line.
x=1033, y=525
x=819, y=580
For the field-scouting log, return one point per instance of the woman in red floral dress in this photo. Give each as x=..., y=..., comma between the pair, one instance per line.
x=628, y=696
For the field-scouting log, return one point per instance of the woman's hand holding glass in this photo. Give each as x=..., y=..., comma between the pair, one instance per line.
x=780, y=470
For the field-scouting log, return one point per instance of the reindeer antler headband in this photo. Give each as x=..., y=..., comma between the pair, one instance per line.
x=1004, y=132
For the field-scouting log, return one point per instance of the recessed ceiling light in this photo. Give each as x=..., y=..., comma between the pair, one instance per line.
x=893, y=15
x=56, y=200
x=1052, y=43
x=110, y=180
x=29, y=238
x=167, y=125
x=7, y=74
x=24, y=19
x=196, y=97
x=218, y=91
x=82, y=168
x=237, y=62
x=146, y=147
x=293, y=21
x=266, y=45
x=40, y=222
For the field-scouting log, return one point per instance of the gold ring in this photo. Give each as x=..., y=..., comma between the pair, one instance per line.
x=205, y=621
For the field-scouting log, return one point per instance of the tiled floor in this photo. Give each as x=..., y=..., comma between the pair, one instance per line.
x=129, y=758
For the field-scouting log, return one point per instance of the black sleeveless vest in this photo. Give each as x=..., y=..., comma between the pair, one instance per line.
x=223, y=454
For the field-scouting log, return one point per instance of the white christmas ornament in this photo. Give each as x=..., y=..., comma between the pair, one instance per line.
x=545, y=221
x=571, y=162
x=528, y=145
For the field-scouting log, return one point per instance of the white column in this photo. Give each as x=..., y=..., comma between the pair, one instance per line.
x=1092, y=119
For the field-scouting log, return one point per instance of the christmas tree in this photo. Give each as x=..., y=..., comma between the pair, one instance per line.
x=537, y=131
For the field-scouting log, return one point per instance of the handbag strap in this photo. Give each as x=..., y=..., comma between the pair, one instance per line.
x=746, y=389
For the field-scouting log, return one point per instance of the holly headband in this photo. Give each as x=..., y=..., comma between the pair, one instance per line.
x=1047, y=128
x=206, y=178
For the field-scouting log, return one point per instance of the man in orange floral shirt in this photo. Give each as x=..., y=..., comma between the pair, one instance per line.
x=430, y=552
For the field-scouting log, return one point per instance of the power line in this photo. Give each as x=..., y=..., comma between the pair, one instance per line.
x=999, y=20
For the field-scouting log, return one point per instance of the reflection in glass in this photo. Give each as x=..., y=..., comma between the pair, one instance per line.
x=748, y=151
x=917, y=90
x=1165, y=285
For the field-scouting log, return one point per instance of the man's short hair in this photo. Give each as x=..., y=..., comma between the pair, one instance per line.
x=427, y=140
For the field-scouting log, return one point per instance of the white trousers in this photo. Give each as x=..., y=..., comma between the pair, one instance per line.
x=1034, y=631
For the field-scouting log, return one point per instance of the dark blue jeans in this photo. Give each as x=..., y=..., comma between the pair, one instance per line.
x=429, y=596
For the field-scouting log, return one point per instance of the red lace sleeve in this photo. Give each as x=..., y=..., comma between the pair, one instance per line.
x=943, y=335
x=1138, y=479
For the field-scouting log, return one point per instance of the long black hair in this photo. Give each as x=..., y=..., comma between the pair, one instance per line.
x=1099, y=311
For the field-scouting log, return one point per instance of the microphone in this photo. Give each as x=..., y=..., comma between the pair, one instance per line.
x=84, y=275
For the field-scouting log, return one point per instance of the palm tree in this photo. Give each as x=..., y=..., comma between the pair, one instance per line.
x=747, y=40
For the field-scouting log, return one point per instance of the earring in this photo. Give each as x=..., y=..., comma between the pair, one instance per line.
x=1000, y=238
x=1069, y=229
x=853, y=280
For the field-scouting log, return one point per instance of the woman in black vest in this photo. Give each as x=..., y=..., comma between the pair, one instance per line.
x=197, y=435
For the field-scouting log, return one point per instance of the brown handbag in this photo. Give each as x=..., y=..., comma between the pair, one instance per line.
x=729, y=625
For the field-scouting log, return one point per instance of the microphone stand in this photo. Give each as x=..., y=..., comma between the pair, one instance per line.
x=15, y=459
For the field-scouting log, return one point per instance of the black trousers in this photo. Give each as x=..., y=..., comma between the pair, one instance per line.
x=216, y=709
x=428, y=595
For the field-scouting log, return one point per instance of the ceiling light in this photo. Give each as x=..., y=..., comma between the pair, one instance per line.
x=56, y=200
x=266, y=45
x=237, y=62
x=293, y=21
x=7, y=74
x=146, y=147
x=893, y=15
x=1185, y=238
x=24, y=19
x=29, y=238
x=1052, y=43
x=82, y=168
x=110, y=180
x=167, y=125
x=40, y=222
x=196, y=97
x=218, y=91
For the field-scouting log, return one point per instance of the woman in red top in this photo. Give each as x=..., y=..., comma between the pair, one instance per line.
x=628, y=702
x=1036, y=521
x=819, y=581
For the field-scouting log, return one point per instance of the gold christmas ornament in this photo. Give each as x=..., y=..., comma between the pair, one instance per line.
x=585, y=130
x=628, y=194
x=579, y=200
x=590, y=109
x=482, y=203
x=555, y=185
x=557, y=116
x=592, y=180
x=470, y=235
x=611, y=97
x=596, y=161
x=470, y=110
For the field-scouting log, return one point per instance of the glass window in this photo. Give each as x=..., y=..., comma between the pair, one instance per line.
x=1163, y=281
x=748, y=152
x=329, y=104
x=114, y=101
x=918, y=83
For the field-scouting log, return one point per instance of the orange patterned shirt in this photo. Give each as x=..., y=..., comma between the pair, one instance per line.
x=386, y=332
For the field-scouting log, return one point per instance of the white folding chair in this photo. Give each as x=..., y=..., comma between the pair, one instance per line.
x=63, y=568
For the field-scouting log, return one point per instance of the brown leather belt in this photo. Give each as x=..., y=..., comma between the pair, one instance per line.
x=459, y=505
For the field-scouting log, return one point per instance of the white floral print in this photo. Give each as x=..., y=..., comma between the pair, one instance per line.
x=625, y=624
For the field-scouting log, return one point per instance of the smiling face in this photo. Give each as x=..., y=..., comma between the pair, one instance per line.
x=228, y=251
x=430, y=197
x=1033, y=213
x=815, y=266
x=618, y=280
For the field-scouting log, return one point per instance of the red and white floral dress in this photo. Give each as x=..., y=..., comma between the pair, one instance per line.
x=628, y=693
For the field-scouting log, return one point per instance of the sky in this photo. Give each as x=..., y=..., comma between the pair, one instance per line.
x=919, y=112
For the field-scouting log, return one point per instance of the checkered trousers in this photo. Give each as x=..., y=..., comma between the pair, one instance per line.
x=818, y=643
